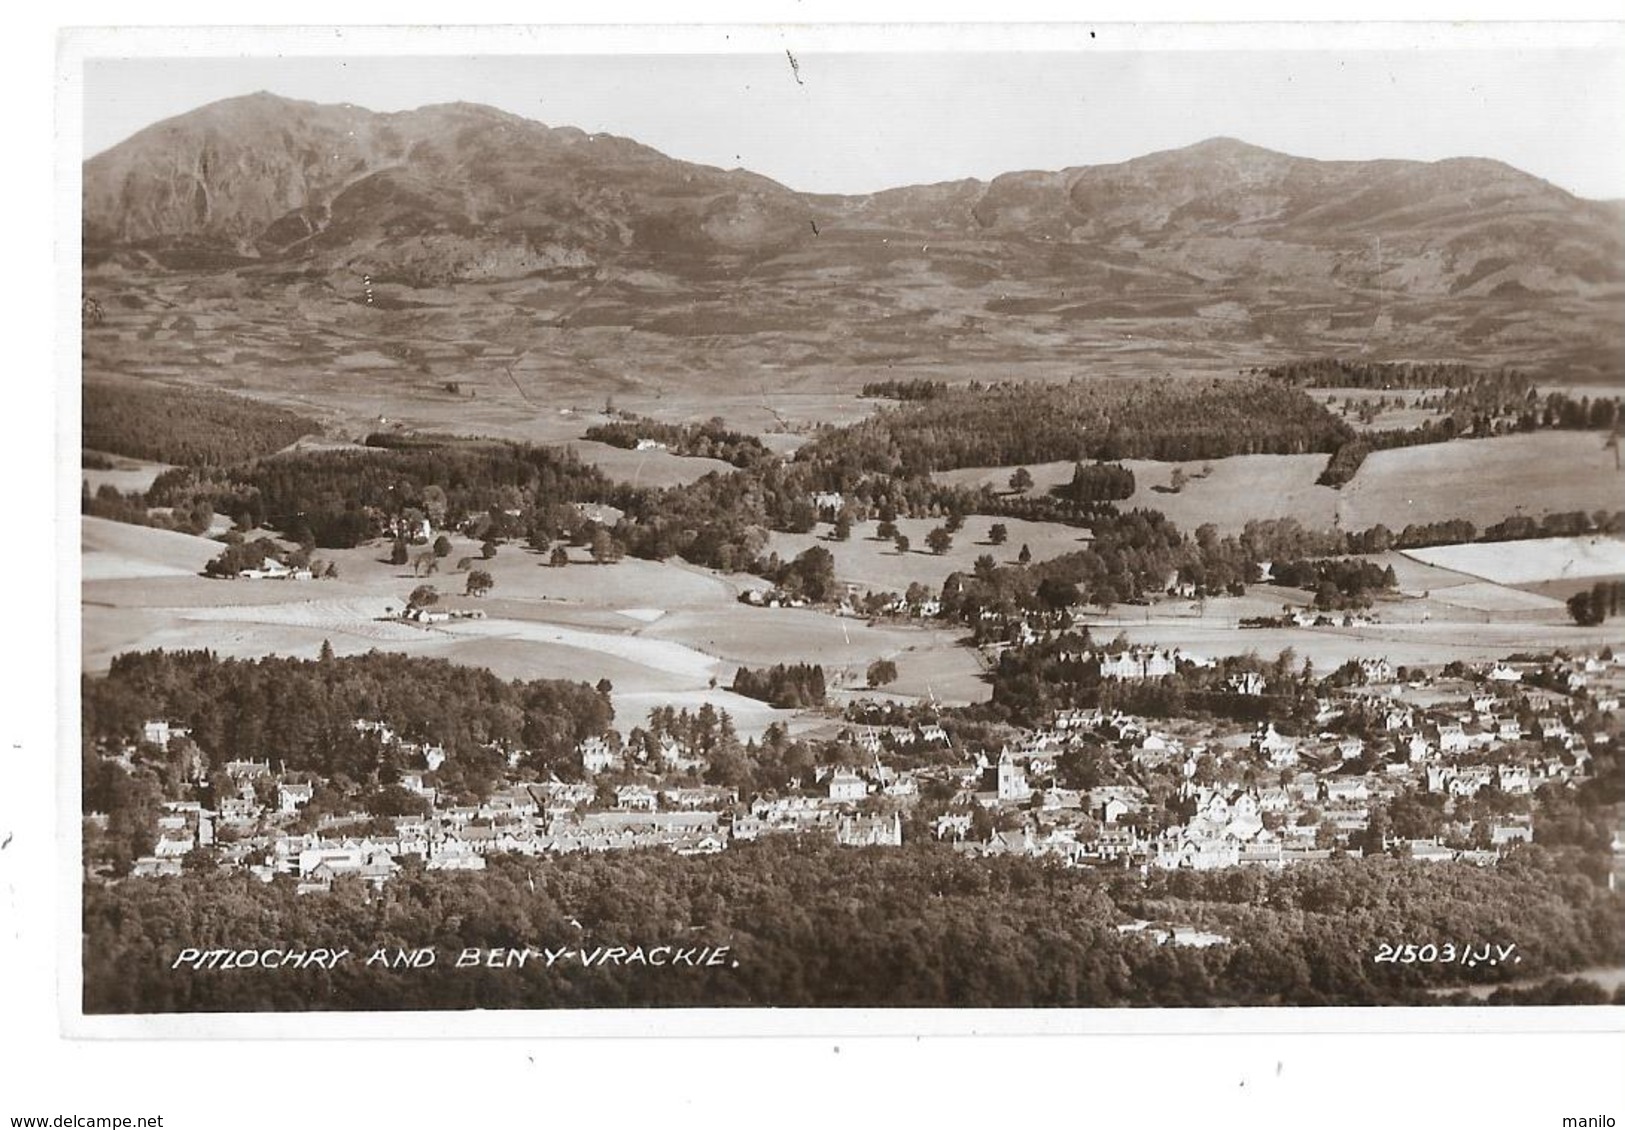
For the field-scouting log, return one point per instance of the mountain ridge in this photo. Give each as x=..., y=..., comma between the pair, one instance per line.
x=1223, y=242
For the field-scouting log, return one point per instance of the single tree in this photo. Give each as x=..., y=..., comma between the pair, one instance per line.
x=886, y=530
x=559, y=558
x=1021, y=480
x=881, y=672
x=1025, y=556
x=398, y=554
x=423, y=596
x=939, y=540
x=488, y=550
x=605, y=549
x=902, y=543
x=479, y=583
x=442, y=546
x=998, y=533
x=843, y=526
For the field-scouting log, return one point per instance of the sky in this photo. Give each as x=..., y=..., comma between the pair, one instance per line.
x=857, y=122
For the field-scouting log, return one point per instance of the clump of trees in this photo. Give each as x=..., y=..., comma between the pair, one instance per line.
x=1599, y=603
x=1098, y=482
x=881, y=672
x=789, y=686
x=244, y=555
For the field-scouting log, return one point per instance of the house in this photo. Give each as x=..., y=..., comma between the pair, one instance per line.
x=597, y=756
x=293, y=797
x=1347, y=790
x=1513, y=779
x=1453, y=739
x=1246, y=683
x=1501, y=673
x=1139, y=663
x=870, y=831
x=1282, y=751
x=846, y=786
x=636, y=798
x=1376, y=671
x=159, y=732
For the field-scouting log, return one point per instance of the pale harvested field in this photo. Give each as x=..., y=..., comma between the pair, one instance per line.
x=1483, y=480
x=127, y=474
x=114, y=551
x=876, y=565
x=1417, y=578
x=1533, y=561
x=1494, y=599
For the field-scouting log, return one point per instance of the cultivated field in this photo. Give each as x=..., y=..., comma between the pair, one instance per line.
x=1533, y=561
x=1484, y=480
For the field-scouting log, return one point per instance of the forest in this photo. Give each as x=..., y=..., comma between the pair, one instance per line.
x=1083, y=419
x=811, y=924
x=195, y=427
x=339, y=499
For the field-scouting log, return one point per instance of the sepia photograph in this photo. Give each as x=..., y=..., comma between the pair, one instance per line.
x=1124, y=522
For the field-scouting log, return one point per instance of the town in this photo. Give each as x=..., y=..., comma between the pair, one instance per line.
x=1439, y=766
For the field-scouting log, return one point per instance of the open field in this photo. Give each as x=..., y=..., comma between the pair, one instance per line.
x=127, y=474
x=647, y=468
x=1231, y=493
x=1483, y=480
x=660, y=632
x=114, y=551
x=1531, y=562
x=876, y=566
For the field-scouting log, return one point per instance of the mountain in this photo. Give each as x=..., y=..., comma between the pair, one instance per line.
x=1217, y=250
x=264, y=176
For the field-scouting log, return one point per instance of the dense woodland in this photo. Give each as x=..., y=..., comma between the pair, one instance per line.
x=812, y=924
x=1121, y=418
x=338, y=499
x=190, y=427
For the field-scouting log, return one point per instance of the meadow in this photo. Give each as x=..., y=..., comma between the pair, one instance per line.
x=661, y=632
